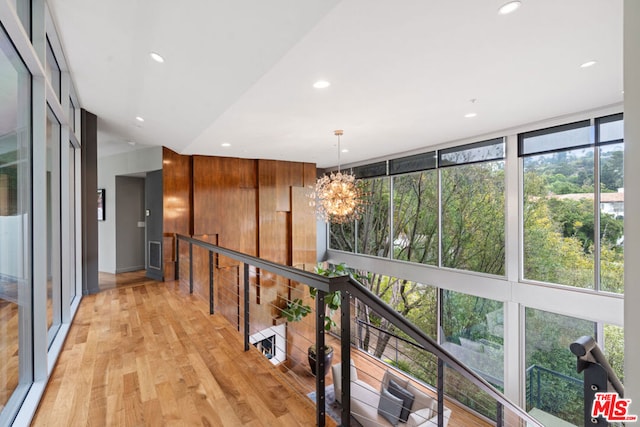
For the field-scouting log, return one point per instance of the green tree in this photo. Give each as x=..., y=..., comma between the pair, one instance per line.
x=473, y=220
x=415, y=217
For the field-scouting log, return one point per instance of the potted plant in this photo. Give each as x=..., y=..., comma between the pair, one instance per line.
x=296, y=310
x=328, y=357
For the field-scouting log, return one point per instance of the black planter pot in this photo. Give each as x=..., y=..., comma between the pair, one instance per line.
x=328, y=357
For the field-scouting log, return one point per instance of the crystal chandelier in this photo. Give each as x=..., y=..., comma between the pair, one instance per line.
x=339, y=197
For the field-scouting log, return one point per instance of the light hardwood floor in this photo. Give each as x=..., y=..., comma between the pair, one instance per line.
x=143, y=353
x=9, y=343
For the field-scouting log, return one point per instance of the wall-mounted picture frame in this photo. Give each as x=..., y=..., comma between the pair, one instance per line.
x=101, y=205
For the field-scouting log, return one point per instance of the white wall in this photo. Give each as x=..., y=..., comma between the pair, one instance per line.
x=632, y=202
x=108, y=168
x=13, y=232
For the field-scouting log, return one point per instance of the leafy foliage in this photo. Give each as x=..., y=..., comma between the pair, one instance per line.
x=296, y=309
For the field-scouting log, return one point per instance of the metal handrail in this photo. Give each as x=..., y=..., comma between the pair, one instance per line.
x=587, y=351
x=556, y=374
x=309, y=278
x=598, y=375
x=358, y=290
x=350, y=286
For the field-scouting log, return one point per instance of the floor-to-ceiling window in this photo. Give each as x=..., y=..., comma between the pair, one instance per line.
x=71, y=221
x=415, y=208
x=54, y=264
x=15, y=228
x=472, y=197
x=553, y=386
x=39, y=200
x=564, y=208
x=557, y=196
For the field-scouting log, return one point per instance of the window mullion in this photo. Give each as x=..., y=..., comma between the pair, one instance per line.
x=596, y=218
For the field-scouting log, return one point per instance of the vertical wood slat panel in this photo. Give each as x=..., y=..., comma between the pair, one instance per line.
x=288, y=174
x=309, y=175
x=258, y=207
x=176, y=201
x=225, y=202
x=272, y=242
x=303, y=227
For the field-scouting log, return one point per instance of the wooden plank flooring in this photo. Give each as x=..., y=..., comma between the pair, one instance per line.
x=144, y=353
x=9, y=342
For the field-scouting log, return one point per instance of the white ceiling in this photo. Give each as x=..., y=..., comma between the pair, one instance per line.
x=403, y=73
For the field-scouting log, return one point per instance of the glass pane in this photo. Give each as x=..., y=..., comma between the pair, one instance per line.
x=72, y=222
x=15, y=222
x=553, y=384
x=53, y=70
x=557, y=138
x=614, y=349
x=611, y=130
x=54, y=314
x=419, y=162
x=371, y=170
x=373, y=227
x=72, y=115
x=23, y=9
x=473, y=220
x=381, y=339
x=415, y=217
x=473, y=332
x=472, y=153
x=612, y=218
x=342, y=237
x=558, y=218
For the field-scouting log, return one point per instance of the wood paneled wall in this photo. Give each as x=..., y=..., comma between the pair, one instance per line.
x=176, y=203
x=258, y=207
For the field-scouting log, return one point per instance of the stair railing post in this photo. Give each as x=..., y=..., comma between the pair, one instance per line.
x=440, y=392
x=595, y=381
x=210, y=282
x=531, y=387
x=320, y=393
x=190, y=267
x=345, y=354
x=499, y=415
x=246, y=307
x=176, y=274
x=538, y=404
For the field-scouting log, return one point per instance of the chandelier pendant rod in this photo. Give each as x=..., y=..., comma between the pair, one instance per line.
x=338, y=133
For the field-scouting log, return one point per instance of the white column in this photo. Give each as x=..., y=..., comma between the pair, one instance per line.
x=513, y=388
x=632, y=201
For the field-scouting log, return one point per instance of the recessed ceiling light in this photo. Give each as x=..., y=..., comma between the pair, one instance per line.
x=156, y=57
x=321, y=84
x=225, y=144
x=131, y=143
x=345, y=150
x=509, y=7
x=140, y=119
x=470, y=115
x=588, y=64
